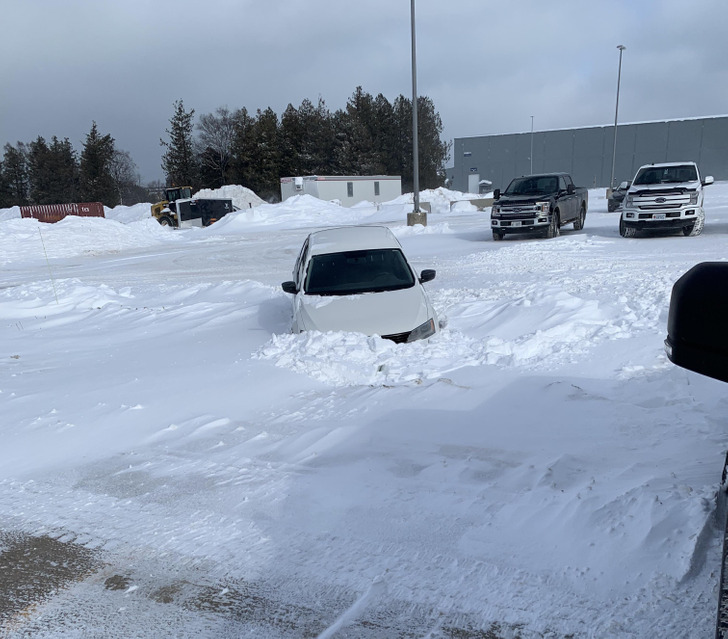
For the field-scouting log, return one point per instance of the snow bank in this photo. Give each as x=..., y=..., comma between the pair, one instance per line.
x=242, y=197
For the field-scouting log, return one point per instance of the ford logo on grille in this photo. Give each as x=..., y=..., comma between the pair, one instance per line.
x=660, y=200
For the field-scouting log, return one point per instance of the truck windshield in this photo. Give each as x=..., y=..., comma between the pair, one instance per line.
x=533, y=185
x=353, y=272
x=666, y=175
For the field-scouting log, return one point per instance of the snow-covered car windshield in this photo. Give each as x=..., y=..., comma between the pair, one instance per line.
x=666, y=175
x=542, y=185
x=353, y=272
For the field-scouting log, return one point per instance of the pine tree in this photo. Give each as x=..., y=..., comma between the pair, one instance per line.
x=356, y=149
x=53, y=171
x=65, y=170
x=265, y=171
x=14, y=178
x=242, y=164
x=179, y=161
x=433, y=153
x=96, y=183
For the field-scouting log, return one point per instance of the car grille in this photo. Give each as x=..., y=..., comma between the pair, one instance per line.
x=399, y=338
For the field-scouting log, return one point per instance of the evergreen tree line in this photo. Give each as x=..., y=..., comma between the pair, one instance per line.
x=53, y=173
x=370, y=136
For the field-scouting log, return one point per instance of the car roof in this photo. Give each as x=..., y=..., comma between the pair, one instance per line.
x=351, y=238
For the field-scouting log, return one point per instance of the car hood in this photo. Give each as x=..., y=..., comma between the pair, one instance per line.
x=384, y=313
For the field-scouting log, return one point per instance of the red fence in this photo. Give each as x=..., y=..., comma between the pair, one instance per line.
x=56, y=212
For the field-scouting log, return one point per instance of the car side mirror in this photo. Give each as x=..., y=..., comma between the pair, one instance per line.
x=427, y=275
x=496, y=194
x=696, y=335
x=289, y=287
x=708, y=180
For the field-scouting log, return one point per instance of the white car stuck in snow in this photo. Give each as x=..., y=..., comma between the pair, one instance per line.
x=357, y=279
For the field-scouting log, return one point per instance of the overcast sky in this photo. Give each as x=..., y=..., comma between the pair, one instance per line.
x=488, y=66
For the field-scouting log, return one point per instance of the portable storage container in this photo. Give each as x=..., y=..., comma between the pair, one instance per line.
x=56, y=212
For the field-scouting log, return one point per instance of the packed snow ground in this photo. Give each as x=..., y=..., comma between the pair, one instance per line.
x=537, y=469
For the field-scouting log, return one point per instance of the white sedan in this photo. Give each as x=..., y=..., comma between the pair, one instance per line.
x=357, y=279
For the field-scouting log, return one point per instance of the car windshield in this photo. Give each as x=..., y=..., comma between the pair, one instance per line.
x=534, y=185
x=666, y=175
x=353, y=272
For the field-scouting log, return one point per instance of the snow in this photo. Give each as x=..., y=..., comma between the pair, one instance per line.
x=536, y=469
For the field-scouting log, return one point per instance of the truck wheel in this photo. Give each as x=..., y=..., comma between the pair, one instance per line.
x=553, y=229
x=165, y=221
x=696, y=228
x=579, y=222
x=626, y=231
x=498, y=236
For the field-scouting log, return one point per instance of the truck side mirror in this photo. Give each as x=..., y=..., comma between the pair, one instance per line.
x=570, y=189
x=708, y=180
x=289, y=287
x=496, y=194
x=696, y=335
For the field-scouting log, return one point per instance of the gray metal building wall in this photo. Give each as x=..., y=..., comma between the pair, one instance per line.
x=587, y=153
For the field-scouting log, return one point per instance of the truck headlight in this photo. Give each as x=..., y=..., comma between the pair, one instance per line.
x=542, y=207
x=628, y=200
x=694, y=198
x=495, y=211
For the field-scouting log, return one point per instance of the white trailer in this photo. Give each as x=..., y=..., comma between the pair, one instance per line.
x=347, y=189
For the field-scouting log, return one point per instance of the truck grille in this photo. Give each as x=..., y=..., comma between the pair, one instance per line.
x=661, y=200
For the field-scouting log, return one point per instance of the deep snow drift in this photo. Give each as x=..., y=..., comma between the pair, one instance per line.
x=537, y=469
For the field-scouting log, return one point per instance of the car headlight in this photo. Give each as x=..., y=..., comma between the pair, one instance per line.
x=423, y=331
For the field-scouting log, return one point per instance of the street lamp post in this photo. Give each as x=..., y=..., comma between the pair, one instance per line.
x=621, y=48
x=531, y=145
x=417, y=216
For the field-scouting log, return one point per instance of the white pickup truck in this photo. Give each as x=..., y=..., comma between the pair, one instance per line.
x=665, y=196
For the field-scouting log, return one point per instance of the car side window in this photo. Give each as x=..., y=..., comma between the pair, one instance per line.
x=298, y=268
x=562, y=183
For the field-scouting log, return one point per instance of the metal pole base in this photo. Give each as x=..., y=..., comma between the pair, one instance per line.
x=417, y=217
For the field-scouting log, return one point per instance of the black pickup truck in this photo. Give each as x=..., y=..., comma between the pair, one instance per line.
x=538, y=204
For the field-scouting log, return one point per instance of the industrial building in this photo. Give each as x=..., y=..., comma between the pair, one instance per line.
x=586, y=153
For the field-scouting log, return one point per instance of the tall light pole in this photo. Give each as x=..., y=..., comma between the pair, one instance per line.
x=621, y=48
x=417, y=216
x=531, y=145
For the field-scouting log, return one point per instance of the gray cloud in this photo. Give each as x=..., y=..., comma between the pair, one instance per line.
x=488, y=66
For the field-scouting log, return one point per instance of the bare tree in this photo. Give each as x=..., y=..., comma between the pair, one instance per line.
x=123, y=172
x=215, y=143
